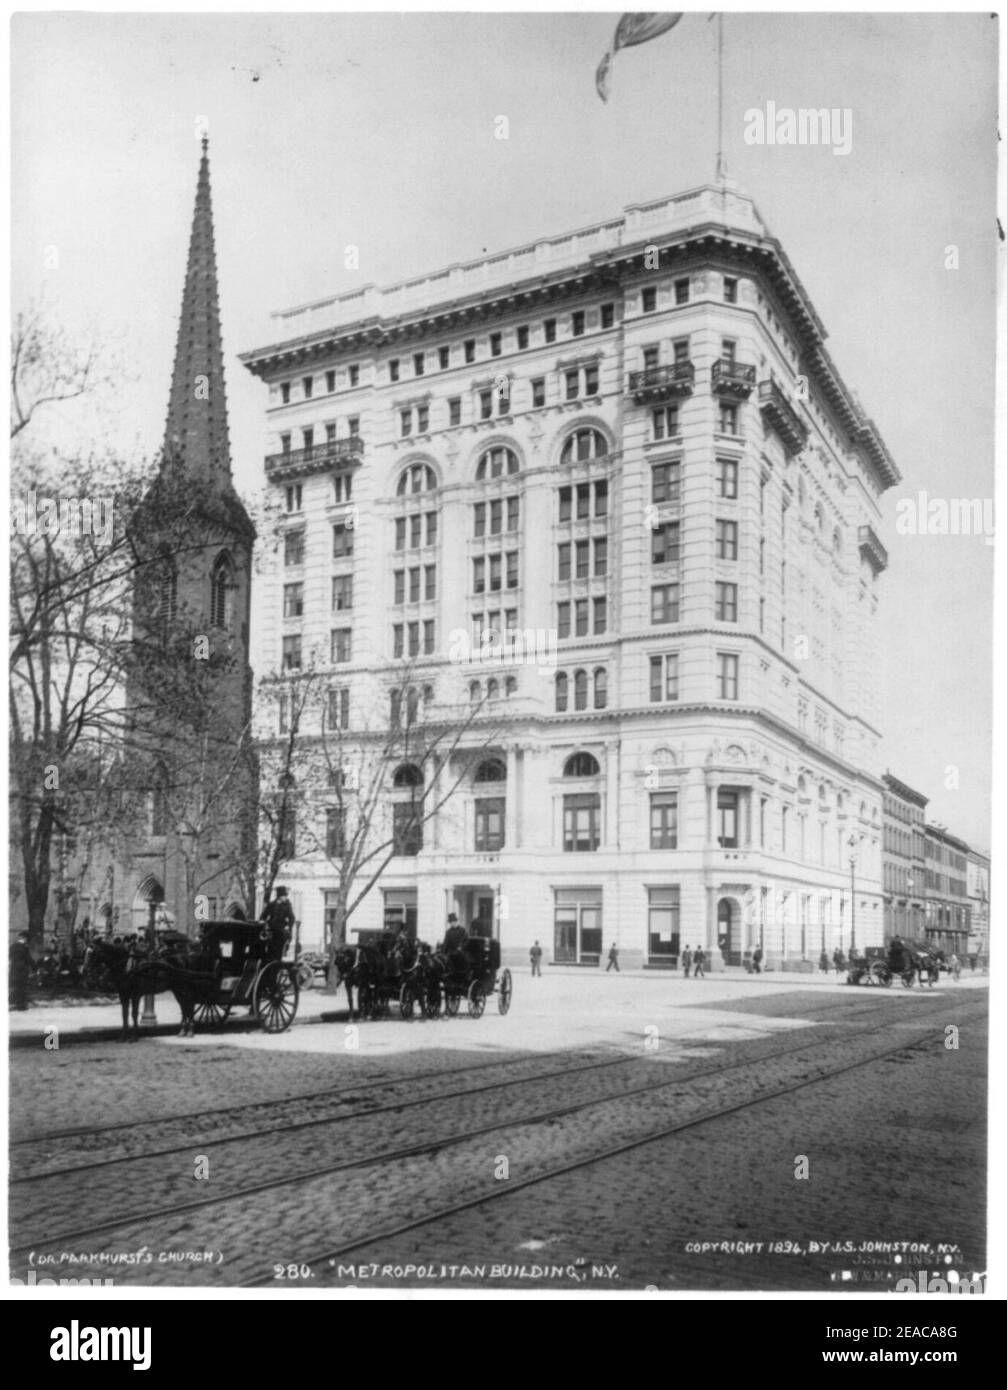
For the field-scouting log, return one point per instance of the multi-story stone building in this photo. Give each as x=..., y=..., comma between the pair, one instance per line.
x=630, y=437
x=903, y=859
x=948, y=913
x=977, y=880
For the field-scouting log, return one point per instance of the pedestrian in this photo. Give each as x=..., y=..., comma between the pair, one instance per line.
x=613, y=959
x=687, y=961
x=972, y=962
x=536, y=959
x=19, y=966
x=757, y=960
x=698, y=957
x=956, y=966
x=278, y=924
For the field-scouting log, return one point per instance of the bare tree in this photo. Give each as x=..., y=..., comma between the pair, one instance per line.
x=45, y=368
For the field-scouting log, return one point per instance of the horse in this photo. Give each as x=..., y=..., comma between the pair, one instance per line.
x=118, y=963
x=928, y=964
x=352, y=970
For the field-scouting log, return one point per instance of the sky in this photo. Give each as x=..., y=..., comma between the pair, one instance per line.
x=378, y=131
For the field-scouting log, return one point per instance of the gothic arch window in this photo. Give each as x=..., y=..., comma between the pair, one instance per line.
x=475, y=692
x=492, y=688
x=581, y=765
x=584, y=444
x=222, y=591
x=418, y=477
x=167, y=588
x=600, y=687
x=491, y=770
x=496, y=463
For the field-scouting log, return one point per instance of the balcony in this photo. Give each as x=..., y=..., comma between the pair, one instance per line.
x=780, y=415
x=320, y=458
x=735, y=380
x=871, y=549
x=655, y=384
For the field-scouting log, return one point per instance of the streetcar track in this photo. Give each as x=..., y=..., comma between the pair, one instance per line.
x=285, y=1127
x=435, y=1146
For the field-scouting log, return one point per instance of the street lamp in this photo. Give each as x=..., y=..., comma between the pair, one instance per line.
x=853, y=843
x=909, y=909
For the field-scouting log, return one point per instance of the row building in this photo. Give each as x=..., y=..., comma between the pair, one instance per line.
x=608, y=491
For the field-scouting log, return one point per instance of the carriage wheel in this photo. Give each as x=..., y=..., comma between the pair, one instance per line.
x=274, y=997
x=881, y=974
x=908, y=978
x=211, y=1013
x=452, y=1002
x=477, y=999
x=407, y=1001
x=431, y=1000
x=506, y=990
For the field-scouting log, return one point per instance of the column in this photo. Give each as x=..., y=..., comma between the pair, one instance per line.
x=611, y=796
x=511, y=822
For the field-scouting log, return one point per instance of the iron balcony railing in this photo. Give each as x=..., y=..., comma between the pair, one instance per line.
x=319, y=457
x=662, y=383
x=731, y=378
x=781, y=416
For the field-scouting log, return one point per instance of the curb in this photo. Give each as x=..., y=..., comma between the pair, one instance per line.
x=103, y=1033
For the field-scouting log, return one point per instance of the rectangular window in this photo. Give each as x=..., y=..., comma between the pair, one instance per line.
x=285, y=392
x=583, y=559
x=292, y=653
x=682, y=291
x=400, y=586
x=600, y=557
x=665, y=422
x=413, y=638
x=664, y=603
x=330, y=382
x=522, y=337
x=681, y=349
x=418, y=364
x=342, y=592
x=353, y=425
x=727, y=676
x=664, y=544
x=728, y=423
x=572, y=379
x=666, y=481
x=581, y=823
x=455, y=411
x=563, y=620
x=308, y=439
x=431, y=527
x=601, y=498
x=342, y=540
x=405, y=423
x=485, y=405
x=730, y=290
x=309, y=387
x=342, y=645
x=566, y=503
x=335, y=839
x=496, y=516
x=470, y=349
x=285, y=446
x=444, y=358
x=651, y=358
x=590, y=381
x=354, y=375
x=415, y=531
x=727, y=819
x=607, y=315
x=330, y=434
x=479, y=519
x=583, y=501
x=580, y=615
x=400, y=533
x=538, y=391
x=293, y=600
x=503, y=401
x=727, y=477
x=414, y=584
x=513, y=512
x=496, y=574
x=726, y=603
x=727, y=540
x=578, y=926
x=422, y=419
x=338, y=712
x=429, y=581
x=489, y=820
x=407, y=827
x=664, y=820
x=564, y=561
x=428, y=636
x=648, y=300
x=664, y=677
x=600, y=606
x=393, y=369
x=577, y=323
x=550, y=330
x=728, y=350
x=293, y=549
x=512, y=569
x=496, y=344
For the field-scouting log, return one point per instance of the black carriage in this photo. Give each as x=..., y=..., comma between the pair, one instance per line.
x=472, y=971
x=234, y=968
x=880, y=965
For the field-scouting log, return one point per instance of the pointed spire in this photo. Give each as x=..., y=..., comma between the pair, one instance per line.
x=195, y=436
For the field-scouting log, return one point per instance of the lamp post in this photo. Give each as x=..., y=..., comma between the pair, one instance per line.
x=853, y=893
x=909, y=909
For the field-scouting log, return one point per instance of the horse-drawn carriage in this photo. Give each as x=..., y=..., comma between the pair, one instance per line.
x=471, y=971
x=386, y=969
x=905, y=960
x=234, y=967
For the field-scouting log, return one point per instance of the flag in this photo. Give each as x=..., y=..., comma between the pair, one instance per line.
x=632, y=29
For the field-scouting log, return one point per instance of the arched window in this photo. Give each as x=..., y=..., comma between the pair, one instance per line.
x=600, y=688
x=475, y=692
x=584, y=444
x=418, y=477
x=167, y=588
x=428, y=694
x=222, y=592
x=408, y=775
x=580, y=690
x=496, y=463
x=492, y=688
x=510, y=685
x=581, y=765
x=412, y=703
x=491, y=770
x=562, y=692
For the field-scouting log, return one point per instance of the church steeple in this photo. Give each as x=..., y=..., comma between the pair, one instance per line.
x=196, y=442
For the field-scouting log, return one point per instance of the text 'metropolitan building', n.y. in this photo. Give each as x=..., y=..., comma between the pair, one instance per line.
x=628, y=440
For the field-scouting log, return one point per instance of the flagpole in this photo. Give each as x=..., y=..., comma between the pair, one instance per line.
x=721, y=168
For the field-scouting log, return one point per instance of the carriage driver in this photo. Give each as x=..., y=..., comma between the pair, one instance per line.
x=278, y=920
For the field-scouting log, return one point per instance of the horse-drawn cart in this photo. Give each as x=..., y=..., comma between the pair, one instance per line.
x=903, y=960
x=472, y=971
x=234, y=968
